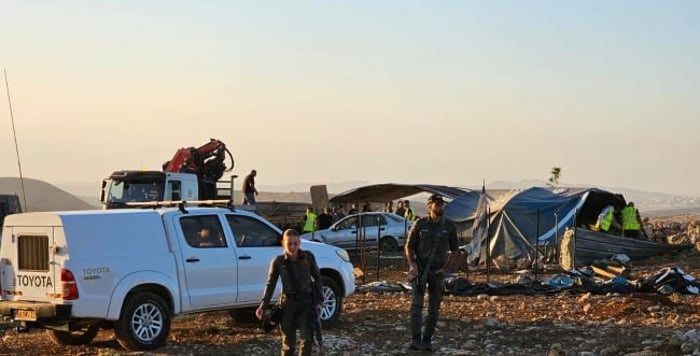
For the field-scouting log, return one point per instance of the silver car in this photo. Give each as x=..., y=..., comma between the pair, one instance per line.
x=365, y=229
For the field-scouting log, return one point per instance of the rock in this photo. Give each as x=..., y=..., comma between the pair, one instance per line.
x=492, y=323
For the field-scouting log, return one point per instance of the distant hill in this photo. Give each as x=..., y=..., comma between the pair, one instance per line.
x=42, y=196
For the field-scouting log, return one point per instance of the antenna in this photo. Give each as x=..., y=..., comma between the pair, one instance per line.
x=14, y=134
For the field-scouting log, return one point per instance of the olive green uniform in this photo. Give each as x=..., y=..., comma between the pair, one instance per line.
x=296, y=300
x=421, y=240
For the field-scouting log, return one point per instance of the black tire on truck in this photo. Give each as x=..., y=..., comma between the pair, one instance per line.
x=81, y=336
x=332, y=300
x=144, y=322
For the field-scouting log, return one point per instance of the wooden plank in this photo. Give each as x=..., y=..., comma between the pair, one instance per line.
x=319, y=198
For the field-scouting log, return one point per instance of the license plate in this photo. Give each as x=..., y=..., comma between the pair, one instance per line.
x=25, y=315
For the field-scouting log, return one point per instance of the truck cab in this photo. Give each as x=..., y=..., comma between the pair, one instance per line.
x=123, y=187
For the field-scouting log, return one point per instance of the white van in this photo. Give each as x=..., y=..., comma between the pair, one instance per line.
x=133, y=270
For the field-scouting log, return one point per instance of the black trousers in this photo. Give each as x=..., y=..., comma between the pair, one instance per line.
x=435, y=292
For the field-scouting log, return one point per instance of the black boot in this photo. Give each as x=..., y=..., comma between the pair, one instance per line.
x=426, y=344
x=416, y=343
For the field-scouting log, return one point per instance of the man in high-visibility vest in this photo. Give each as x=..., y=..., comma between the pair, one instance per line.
x=607, y=222
x=631, y=222
x=408, y=211
x=309, y=221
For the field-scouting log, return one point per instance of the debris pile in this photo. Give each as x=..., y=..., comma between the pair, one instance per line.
x=675, y=232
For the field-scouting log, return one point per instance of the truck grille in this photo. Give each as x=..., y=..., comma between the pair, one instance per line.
x=33, y=253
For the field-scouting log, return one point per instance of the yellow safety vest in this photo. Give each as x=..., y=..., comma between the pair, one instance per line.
x=607, y=221
x=409, y=215
x=629, y=218
x=309, y=224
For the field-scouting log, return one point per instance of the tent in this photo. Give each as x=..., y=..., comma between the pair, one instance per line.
x=524, y=220
x=390, y=191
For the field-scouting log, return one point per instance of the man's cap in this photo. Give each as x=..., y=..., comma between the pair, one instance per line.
x=436, y=198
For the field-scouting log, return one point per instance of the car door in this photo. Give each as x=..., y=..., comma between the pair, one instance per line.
x=257, y=243
x=209, y=262
x=344, y=233
x=373, y=228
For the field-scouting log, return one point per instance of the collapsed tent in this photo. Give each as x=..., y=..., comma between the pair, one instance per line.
x=526, y=220
x=463, y=210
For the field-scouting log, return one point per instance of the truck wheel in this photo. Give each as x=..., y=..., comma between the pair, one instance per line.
x=144, y=322
x=388, y=245
x=332, y=301
x=74, y=337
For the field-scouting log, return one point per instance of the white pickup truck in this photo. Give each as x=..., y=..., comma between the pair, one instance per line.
x=132, y=270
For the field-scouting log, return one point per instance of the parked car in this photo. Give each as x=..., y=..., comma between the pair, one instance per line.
x=356, y=230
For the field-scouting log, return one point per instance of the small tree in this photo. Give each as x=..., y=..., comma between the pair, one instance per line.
x=554, y=179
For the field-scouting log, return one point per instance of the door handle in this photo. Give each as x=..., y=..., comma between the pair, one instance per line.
x=192, y=259
x=244, y=257
x=353, y=232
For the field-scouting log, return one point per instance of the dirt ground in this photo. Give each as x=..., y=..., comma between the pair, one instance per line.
x=376, y=323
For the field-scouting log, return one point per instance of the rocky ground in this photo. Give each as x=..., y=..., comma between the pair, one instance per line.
x=376, y=323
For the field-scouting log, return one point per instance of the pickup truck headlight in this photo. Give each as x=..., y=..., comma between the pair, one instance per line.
x=343, y=254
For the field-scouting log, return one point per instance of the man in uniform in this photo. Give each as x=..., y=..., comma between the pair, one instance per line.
x=426, y=252
x=249, y=190
x=300, y=279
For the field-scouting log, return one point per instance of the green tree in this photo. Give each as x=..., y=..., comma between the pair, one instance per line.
x=554, y=179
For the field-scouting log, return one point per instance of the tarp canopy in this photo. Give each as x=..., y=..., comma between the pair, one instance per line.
x=379, y=193
x=525, y=219
x=463, y=209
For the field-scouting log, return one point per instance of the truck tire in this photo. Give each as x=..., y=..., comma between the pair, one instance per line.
x=74, y=337
x=388, y=245
x=332, y=300
x=144, y=322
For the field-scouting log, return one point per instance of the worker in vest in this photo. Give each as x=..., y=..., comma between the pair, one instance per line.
x=631, y=222
x=408, y=211
x=309, y=221
x=607, y=222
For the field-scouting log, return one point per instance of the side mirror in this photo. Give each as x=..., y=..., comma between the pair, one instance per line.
x=102, y=191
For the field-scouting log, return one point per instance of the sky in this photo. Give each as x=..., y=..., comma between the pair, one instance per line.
x=437, y=92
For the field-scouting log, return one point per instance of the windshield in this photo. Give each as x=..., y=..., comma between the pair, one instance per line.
x=120, y=191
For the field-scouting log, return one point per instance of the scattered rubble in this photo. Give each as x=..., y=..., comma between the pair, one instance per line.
x=375, y=322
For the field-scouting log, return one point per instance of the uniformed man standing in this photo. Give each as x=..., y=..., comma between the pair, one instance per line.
x=426, y=251
x=300, y=278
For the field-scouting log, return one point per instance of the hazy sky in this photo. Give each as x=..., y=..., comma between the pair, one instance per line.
x=443, y=92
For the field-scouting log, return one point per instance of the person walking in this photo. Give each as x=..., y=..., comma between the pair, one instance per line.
x=426, y=252
x=301, y=279
x=249, y=191
x=310, y=221
x=631, y=221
